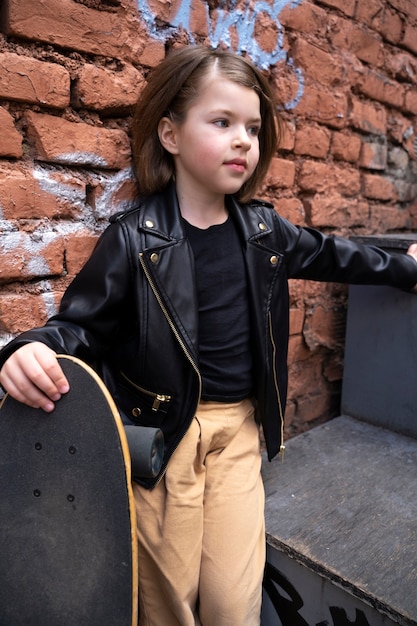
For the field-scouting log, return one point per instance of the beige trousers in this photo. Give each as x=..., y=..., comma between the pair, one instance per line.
x=201, y=531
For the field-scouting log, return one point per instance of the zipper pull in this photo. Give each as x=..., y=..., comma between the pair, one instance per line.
x=158, y=399
x=156, y=403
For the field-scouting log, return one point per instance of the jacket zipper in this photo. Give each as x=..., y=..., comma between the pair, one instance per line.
x=176, y=334
x=157, y=397
x=281, y=413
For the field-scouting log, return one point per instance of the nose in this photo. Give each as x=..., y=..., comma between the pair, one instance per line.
x=242, y=139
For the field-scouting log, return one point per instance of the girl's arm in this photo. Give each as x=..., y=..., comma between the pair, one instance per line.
x=312, y=255
x=93, y=309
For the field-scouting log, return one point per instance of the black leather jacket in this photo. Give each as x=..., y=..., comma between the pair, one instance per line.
x=132, y=310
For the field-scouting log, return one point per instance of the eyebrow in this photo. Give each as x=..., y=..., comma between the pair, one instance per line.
x=230, y=112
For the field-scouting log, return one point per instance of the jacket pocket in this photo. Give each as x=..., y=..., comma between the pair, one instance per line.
x=141, y=405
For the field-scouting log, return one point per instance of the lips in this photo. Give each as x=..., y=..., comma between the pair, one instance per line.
x=239, y=165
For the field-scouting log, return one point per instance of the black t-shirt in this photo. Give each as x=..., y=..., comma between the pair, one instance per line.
x=225, y=358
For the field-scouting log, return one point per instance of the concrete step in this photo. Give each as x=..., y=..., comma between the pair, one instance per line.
x=341, y=523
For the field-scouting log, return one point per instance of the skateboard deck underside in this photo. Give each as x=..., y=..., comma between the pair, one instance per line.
x=67, y=531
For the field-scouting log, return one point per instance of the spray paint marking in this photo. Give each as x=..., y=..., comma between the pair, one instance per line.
x=228, y=18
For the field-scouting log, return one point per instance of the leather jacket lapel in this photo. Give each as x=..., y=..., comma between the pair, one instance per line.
x=167, y=255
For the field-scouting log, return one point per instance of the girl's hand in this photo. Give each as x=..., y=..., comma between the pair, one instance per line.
x=32, y=375
x=412, y=251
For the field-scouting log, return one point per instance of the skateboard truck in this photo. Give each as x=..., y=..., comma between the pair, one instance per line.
x=146, y=447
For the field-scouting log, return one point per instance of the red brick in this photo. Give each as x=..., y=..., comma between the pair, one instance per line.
x=297, y=349
x=162, y=10
x=410, y=102
x=296, y=320
x=74, y=26
x=407, y=191
x=379, y=87
x=401, y=66
x=28, y=80
x=314, y=406
x=405, y=6
x=265, y=31
x=286, y=85
x=378, y=16
x=104, y=90
x=321, y=327
x=68, y=143
x=413, y=216
x=198, y=17
x=334, y=211
x=359, y=40
x=368, y=12
x=345, y=6
x=112, y=192
x=10, y=138
x=39, y=194
x=281, y=173
x=152, y=53
x=124, y=194
x=323, y=107
x=288, y=136
x=321, y=66
x=399, y=127
x=20, y=312
x=368, y=117
x=333, y=371
x=25, y=256
x=321, y=177
x=390, y=26
x=387, y=218
x=78, y=248
x=379, y=188
x=346, y=147
x=410, y=144
x=373, y=156
x=312, y=141
x=410, y=38
x=304, y=18
x=168, y=12
x=291, y=209
x=398, y=161
x=305, y=375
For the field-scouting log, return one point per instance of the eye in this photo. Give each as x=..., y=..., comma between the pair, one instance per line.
x=221, y=123
x=254, y=130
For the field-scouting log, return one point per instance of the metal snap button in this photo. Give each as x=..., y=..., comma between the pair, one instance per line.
x=154, y=257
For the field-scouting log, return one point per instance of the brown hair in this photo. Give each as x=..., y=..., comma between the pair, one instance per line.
x=170, y=90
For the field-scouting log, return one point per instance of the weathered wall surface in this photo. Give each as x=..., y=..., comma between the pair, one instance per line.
x=345, y=73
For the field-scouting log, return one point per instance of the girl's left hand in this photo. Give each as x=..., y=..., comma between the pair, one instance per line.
x=412, y=251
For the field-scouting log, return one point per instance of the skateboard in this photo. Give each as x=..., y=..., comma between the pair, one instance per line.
x=68, y=551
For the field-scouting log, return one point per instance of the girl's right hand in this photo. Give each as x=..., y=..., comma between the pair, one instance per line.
x=32, y=375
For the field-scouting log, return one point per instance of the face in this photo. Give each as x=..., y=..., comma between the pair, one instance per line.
x=216, y=147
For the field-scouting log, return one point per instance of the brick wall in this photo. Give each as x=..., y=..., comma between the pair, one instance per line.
x=345, y=72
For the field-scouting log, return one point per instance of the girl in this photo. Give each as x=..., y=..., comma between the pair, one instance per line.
x=183, y=307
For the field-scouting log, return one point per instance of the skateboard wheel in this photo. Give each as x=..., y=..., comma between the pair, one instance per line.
x=146, y=447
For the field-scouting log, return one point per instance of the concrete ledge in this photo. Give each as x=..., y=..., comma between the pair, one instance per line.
x=344, y=504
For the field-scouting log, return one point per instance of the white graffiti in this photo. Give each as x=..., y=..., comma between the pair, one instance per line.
x=239, y=18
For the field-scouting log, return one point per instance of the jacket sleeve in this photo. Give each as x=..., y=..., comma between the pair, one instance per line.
x=95, y=307
x=314, y=256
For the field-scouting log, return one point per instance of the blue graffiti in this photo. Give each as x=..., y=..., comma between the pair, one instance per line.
x=242, y=21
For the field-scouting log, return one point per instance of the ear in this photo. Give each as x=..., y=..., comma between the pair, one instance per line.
x=167, y=132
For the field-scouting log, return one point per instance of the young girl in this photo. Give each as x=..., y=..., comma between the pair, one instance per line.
x=183, y=308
